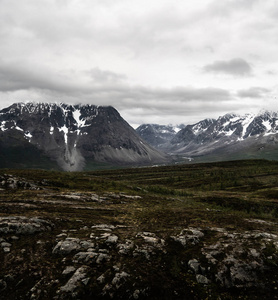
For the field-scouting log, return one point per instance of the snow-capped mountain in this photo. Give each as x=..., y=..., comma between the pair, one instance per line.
x=158, y=135
x=230, y=135
x=74, y=136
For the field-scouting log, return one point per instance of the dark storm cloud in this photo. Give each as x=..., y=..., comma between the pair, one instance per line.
x=253, y=92
x=235, y=67
x=17, y=77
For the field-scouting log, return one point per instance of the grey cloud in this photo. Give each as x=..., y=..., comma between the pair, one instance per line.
x=139, y=104
x=235, y=66
x=271, y=72
x=12, y=79
x=175, y=99
x=17, y=77
x=180, y=112
x=151, y=101
x=229, y=7
x=109, y=86
x=99, y=75
x=65, y=50
x=253, y=92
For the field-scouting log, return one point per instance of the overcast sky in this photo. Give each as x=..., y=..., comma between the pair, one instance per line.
x=155, y=61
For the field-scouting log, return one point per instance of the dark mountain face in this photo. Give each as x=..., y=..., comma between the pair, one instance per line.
x=158, y=136
x=74, y=135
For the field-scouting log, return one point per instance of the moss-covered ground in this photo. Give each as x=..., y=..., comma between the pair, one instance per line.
x=223, y=195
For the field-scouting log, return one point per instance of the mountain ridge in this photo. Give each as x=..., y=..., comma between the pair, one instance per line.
x=157, y=135
x=76, y=135
x=230, y=134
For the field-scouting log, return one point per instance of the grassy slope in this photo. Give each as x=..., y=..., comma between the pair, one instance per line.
x=25, y=156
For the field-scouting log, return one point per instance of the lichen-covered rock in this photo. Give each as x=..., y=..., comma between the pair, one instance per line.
x=5, y=244
x=144, y=250
x=202, y=279
x=23, y=225
x=67, y=246
x=151, y=239
x=102, y=257
x=235, y=260
x=70, y=245
x=119, y=279
x=75, y=281
x=86, y=244
x=190, y=236
x=194, y=265
x=89, y=257
x=105, y=227
x=11, y=182
x=112, y=239
x=69, y=270
x=126, y=247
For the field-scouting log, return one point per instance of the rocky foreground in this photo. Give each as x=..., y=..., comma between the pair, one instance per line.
x=58, y=243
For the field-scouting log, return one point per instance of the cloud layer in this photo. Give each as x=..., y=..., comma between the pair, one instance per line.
x=155, y=61
x=235, y=66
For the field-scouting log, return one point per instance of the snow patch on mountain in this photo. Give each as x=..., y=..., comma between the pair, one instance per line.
x=245, y=124
x=230, y=132
x=65, y=130
x=177, y=128
x=18, y=128
x=3, y=126
x=267, y=125
x=198, y=128
x=28, y=135
x=76, y=115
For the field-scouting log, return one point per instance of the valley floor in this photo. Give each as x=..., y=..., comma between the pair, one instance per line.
x=199, y=231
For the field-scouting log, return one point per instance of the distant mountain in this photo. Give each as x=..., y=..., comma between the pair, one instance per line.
x=74, y=137
x=158, y=136
x=230, y=136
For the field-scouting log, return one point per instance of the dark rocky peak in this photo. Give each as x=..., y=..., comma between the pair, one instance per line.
x=266, y=114
x=73, y=135
x=156, y=128
x=55, y=115
x=190, y=132
x=264, y=123
x=227, y=117
x=186, y=134
x=30, y=108
x=227, y=125
x=158, y=135
x=201, y=126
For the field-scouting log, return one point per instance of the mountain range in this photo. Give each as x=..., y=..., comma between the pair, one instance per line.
x=85, y=137
x=70, y=137
x=231, y=136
